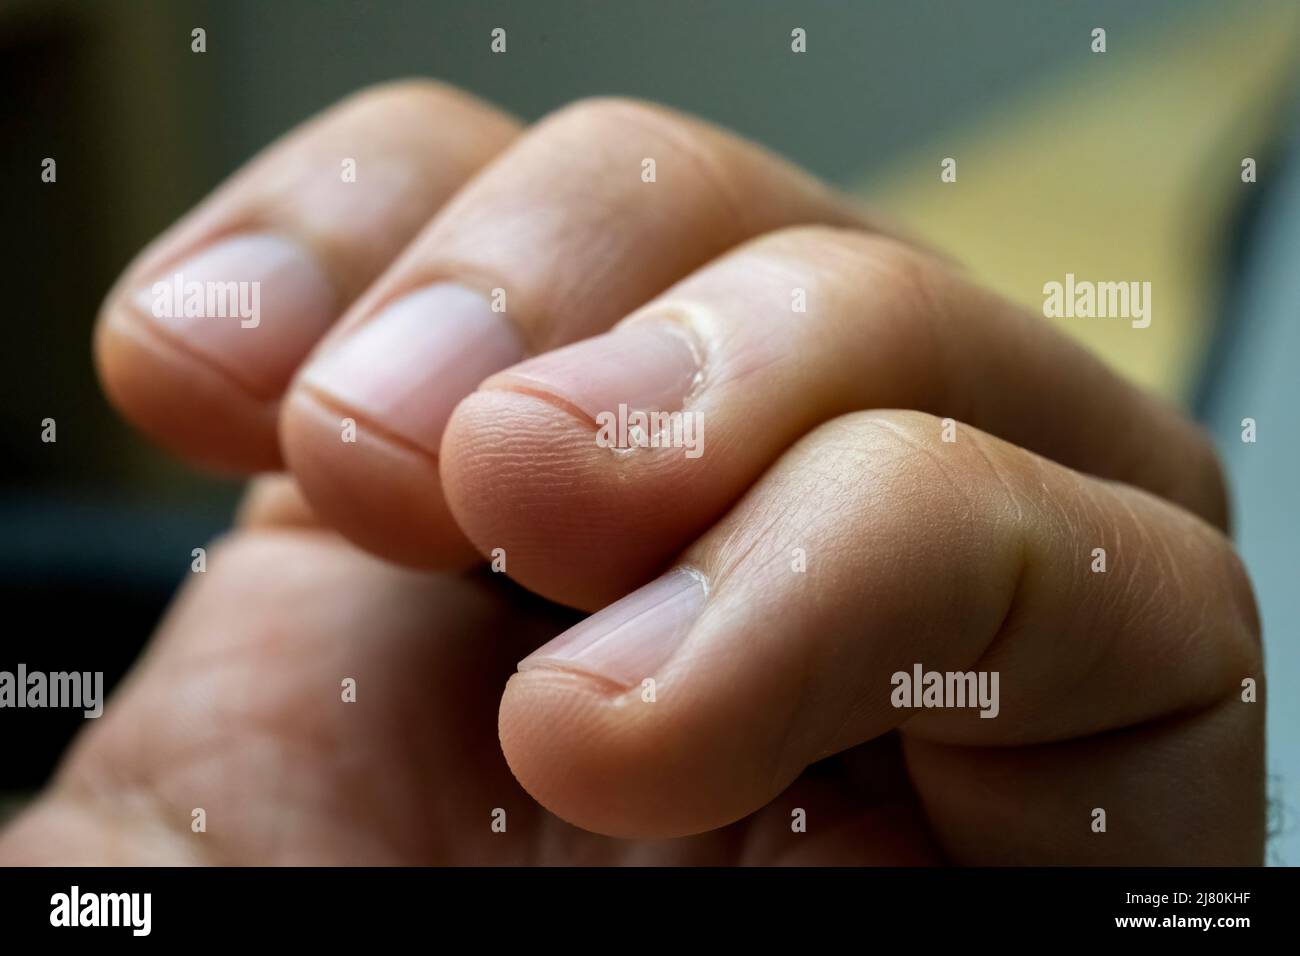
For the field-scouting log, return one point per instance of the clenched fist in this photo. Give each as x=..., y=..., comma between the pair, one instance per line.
x=883, y=569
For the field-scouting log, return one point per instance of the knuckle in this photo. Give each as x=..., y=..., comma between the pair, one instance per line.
x=894, y=267
x=886, y=265
x=808, y=243
x=418, y=97
x=716, y=173
x=965, y=487
x=599, y=116
x=938, y=459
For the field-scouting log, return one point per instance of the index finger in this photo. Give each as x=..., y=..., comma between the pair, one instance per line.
x=871, y=550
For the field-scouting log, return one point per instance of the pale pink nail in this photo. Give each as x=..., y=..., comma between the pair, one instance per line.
x=407, y=368
x=254, y=305
x=634, y=637
x=646, y=366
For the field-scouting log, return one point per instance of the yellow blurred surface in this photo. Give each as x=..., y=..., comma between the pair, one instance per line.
x=1122, y=169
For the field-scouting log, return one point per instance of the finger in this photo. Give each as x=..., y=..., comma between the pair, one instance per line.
x=276, y=253
x=970, y=556
x=555, y=241
x=274, y=501
x=525, y=468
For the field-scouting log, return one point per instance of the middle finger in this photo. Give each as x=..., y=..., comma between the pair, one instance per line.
x=885, y=326
x=595, y=210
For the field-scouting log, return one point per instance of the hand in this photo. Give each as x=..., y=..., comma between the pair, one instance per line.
x=817, y=548
x=238, y=710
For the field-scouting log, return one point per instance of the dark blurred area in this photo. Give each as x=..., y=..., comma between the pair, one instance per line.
x=97, y=527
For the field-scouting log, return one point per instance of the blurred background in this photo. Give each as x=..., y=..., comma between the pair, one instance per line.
x=1123, y=165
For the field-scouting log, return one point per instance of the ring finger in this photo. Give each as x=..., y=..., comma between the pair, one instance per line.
x=296, y=235
x=590, y=214
x=749, y=372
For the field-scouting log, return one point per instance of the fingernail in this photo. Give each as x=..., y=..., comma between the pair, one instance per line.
x=254, y=305
x=632, y=638
x=407, y=368
x=647, y=366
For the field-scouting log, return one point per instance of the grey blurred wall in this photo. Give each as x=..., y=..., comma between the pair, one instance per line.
x=879, y=75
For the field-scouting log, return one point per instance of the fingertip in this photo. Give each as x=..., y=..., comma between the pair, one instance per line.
x=381, y=493
x=180, y=402
x=604, y=759
x=274, y=501
x=579, y=524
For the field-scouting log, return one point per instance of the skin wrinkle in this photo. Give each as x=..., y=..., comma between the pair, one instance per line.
x=332, y=407
x=954, y=482
x=774, y=511
x=237, y=727
x=563, y=475
x=157, y=336
x=977, y=441
x=556, y=461
x=1134, y=615
x=557, y=402
x=1171, y=563
x=741, y=542
x=1070, y=525
x=585, y=288
x=1150, y=550
x=728, y=562
x=95, y=802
